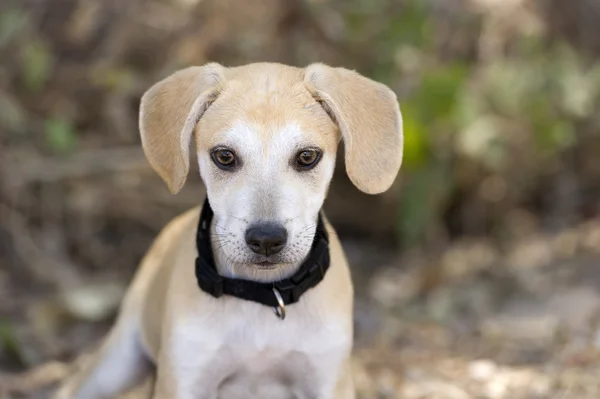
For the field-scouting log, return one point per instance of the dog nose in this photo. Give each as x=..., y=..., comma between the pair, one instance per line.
x=266, y=239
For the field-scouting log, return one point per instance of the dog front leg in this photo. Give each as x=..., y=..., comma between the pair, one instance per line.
x=345, y=386
x=178, y=378
x=119, y=364
x=338, y=384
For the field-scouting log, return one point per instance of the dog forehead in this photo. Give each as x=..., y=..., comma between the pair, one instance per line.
x=250, y=137
x=264, y=73
x=267, y=103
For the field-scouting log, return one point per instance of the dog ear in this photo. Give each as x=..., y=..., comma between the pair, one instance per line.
x=169, y=112
x=368, y=116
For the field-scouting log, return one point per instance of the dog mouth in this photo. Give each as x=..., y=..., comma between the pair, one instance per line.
x=266, y=265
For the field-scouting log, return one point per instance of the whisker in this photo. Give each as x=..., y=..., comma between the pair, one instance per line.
x=221, y=246
x=238, y=218
x=292, y=219
x=223, y=228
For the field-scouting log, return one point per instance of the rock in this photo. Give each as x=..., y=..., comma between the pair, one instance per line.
x=540, y=320
x=498, y=382
x=530, y=254
x=482, y=370
x=368, y=321
x=533, y=328
x=393, y=287
x=468, y=258
x=433, y=389
x=93, y=302
x=575, y=307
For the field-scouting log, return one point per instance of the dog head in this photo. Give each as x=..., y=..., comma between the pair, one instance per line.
x=266, y=139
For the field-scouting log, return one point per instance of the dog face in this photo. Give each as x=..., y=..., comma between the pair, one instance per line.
x=266, y=151
x=266, y=138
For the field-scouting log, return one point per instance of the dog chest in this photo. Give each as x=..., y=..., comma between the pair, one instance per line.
x=251, y=352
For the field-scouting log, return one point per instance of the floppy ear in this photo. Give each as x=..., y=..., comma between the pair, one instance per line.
x=169, y=112
x=368, y=116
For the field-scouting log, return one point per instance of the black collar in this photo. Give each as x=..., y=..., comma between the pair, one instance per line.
x=288, y=291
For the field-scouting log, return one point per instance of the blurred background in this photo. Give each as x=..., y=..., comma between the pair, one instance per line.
x=477, y=275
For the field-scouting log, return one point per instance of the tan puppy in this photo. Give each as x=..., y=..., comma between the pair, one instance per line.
x=266, y=137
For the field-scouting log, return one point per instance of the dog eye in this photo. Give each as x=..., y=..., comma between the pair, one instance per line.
x=308, y=159
x=223, y=158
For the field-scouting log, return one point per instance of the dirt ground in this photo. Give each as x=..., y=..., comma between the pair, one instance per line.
x=521, y=321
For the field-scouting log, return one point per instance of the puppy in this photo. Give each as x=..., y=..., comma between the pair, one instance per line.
x=249, y=296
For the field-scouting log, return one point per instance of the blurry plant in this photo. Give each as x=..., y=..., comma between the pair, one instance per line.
x=416, y=145
x=546, y=93
x=437, y=95
x=11, y=23
x=9, y=344
x=12, y=115
x=578, y=86
x=514, y=112
x=113, y=77
x=60, y=135
x=424, y=192
x=37, y=62
x=511, y=113
x=403, y=38
x=429, y=115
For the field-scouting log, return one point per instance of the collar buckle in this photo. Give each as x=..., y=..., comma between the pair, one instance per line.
x=280, y=308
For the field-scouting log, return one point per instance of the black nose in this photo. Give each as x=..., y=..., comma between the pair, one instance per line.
x=266, y=239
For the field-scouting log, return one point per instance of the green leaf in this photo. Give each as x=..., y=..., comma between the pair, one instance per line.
x=37, y=65
x=552, y=135
x=483, y=140
x=419, y=201
x=11, y=22
x=115, y=78
x=509, y=85
x=356, y=22
x=12, y=115
x=416, y=146
x=60, y=135
x=438, y=92
x=383, y=71
x=411, y=25
x=9, y=342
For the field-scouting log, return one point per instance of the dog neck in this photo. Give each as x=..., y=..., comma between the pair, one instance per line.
x=215, y=275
